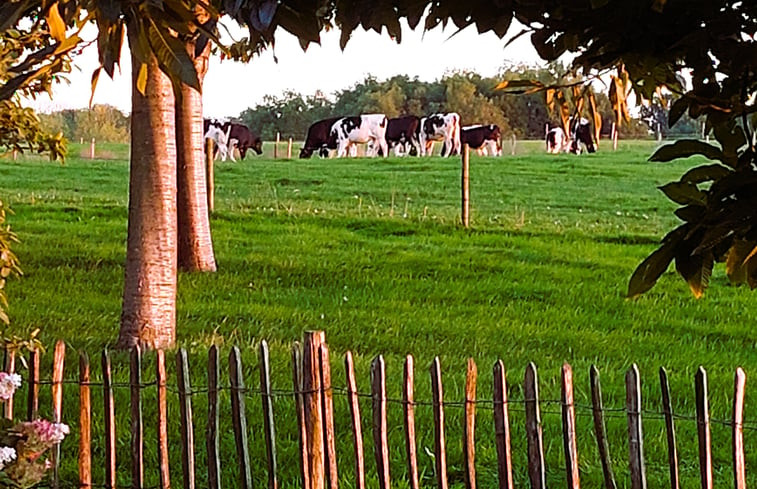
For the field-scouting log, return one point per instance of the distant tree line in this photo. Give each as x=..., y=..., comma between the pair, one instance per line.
x=469, y=94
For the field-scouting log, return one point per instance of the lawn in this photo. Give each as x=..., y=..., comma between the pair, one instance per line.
x=371, y=252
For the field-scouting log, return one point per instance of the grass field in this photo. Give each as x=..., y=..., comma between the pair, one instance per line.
x=371, y=251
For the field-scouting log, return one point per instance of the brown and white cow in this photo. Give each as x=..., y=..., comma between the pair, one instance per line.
x=319, y=138
x=483, y=138
x=580, y=132
x=363, y=129
x=240, y=136
x=402, y=134
x=440, y=127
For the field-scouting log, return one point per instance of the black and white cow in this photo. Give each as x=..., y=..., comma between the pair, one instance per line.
x=556, y=140
x=580, y=132
x=402, y=134
x=319, y=138
x=242, y=138
x=440, y=127
x=214, y=129
x=482, y=138
x=363, y=129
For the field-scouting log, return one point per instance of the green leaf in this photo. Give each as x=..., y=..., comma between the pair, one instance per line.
x=172, y=55
x=685, y=148
x=684, y=193
x=705, y=173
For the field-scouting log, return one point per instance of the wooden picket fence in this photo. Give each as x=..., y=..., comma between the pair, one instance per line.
x=313, y=395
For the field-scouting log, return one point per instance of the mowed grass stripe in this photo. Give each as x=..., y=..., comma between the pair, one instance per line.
x=370, y=251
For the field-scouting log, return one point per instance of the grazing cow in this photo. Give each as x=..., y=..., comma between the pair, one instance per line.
x=365, y=128
x=402, y=132
x=557, y=142
x=484, y=139
x=319, y=138
x=580, y=131
x=239, y=136
x=440, y=127
x=214, y=130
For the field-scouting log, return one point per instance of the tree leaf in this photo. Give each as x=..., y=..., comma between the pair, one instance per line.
x=650, y=270
x=684, y=193
x=95, y=77
x=55, y=23
x=685, y=148
x=142, y=78
x=690, y=213
x=677, y=110
x=705, y=173
x=695, y=269
x=735, y=264
x=521, y=86
x=172, y=55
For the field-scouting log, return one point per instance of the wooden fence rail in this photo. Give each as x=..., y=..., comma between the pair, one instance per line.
x=313, y=394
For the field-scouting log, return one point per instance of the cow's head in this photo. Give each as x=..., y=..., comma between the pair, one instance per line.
x=257, y=146
x=306, y=152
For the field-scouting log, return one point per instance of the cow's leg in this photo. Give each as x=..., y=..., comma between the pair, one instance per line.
x=342, y=148
x=384, y=147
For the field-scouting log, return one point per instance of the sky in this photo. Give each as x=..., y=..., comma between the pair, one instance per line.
x=231, y=87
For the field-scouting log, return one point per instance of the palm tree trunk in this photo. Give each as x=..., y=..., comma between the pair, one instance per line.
x=148, y=317
x=195, y=244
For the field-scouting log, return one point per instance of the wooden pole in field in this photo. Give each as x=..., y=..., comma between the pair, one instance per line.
x=408, y=405
x=268, y=424
x=109, y=422
x=569, y=428
x=161, y=379
x=380, y=428
x=440, y=447
x=512, y=148
x=209, y=174
x=614, y=136
x=502, y=427
x=311, y=387
x=211, y=433
x=739, y=463
x=327, y=404
x=92, y=149
x=357, y=429
x=289, y=149
x=10, y=367
x=59, y=358
x=465, y=185
x=85, y=424
x=186, y=425
x=600, y=431
x=276, y=146
x=32, y=396
x=703, y=428
x=635, y=433
x=297, y=379
x=469, y=426
x=137, y=433
x=667, y=410
x=15, y=154
x=536, y=471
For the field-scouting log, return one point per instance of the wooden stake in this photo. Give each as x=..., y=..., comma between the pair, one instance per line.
x=465, y=186
x=329, y=438
x=289, y=149
x=32, y=397
x=270, y=431
x=211, y=438
x=10, y=367
x=600, y=431
x=297, y=380
x=536, y=471
x=440, y=448
x=185, y=413
x=210, y=173
x=92, y=149
x=667, y=410
x=276, y=146
x=59, y=358
x=239, y=417
x=569, y=428
x=408, y=408
x=137, y=439
x=311, y=387
x=635, y=433
x=502, y=428
x=162, y=379
x=357, y=429
x=739, y=462
x=469, y=426
x=110, y=423
x=703, y=428
x=85, y=424
x=380, y=429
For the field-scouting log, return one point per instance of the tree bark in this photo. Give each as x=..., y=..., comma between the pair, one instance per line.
x=195, y=244
x=148, y=317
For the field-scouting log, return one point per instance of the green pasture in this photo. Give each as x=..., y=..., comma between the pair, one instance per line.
x=371, y=251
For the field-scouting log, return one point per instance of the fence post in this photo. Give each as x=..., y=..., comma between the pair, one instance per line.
x=276, y=146
x=110, y=422
x=135, y=385
x=512, y=148
x=469, y=426
x=210, y=173
x=59, y=358
x=569, y=428
x=357, y=429
x=502, y=427
x=635, y=433
x=703, y=428
x=32, y=396
x=211, y=438
x=408, y=404
x=85, y=424
x=289, y=149
x=465, y=186
x=599, y=428
x=536, y=473
x=667, y=410
x=380, y=429
x=614, y=135
x=297, y=380
x=311, y=387
x=440, y=449
x=327, y=398
x=92, y=149
x=268, y=426
x=239, y=421
x=739, y=462
x=161, y=379
x=185, y=411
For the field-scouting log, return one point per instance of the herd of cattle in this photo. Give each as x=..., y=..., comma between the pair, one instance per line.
x=403, y=135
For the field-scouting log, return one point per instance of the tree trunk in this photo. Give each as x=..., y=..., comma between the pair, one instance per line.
x=148, y=317
x=195, y=244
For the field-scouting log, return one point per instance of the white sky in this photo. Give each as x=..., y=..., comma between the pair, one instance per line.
x=232, y=87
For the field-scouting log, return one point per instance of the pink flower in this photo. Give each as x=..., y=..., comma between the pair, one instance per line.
x=8, y=385
x=7, y=454
x=39, y=435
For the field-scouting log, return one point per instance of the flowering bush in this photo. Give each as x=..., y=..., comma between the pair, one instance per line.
x=23, y=444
